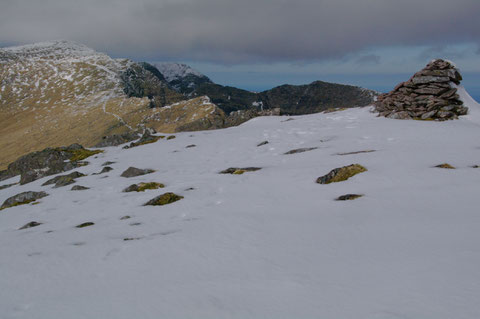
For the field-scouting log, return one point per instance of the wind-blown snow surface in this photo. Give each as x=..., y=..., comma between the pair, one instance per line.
x=265, y=244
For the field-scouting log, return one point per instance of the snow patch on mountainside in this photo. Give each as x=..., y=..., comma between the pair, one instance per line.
x=176, y=71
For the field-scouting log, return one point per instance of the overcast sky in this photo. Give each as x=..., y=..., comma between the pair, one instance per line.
x=282, y=37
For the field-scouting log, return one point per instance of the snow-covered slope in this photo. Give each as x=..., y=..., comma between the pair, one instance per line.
x=265, y=244
x=176, y=71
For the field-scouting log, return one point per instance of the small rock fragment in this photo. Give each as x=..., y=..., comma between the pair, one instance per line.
x=445, y=165
x=85, y=225
x=262, y=143
x=349, y=197
x=300, y=150
x=30, y=225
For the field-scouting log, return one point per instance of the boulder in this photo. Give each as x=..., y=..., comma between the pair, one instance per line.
x=141, y=187
x=79, y=188
x=164, y=199
x=22, y=199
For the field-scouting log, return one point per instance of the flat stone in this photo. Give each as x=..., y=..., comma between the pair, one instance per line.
x=133, y=171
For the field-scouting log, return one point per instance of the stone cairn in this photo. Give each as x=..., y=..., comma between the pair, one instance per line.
x=429, y=95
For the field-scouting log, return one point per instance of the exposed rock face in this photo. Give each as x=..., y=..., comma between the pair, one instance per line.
x=22, y=199
x=428, y=95
x=117, y=139
x=139, y=81
x=50, y=161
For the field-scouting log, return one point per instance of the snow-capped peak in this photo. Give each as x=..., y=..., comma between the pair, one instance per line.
x=50, y=48
x=175, y=71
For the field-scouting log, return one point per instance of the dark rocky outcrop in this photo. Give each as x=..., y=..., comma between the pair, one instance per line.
x=139, y=81
x=164, y=199
x=50, y=161
x=117, y=139
x=63, y=180
x=239, y=171
x=22, y=199
x=429, y=95
x=133, y=171
x=341, y=174
x=30, y=225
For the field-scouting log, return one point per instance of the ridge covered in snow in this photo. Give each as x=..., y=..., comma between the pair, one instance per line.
x=269, y=243
x=176, y=71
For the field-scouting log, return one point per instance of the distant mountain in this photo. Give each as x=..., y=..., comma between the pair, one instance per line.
x=182, y=77
x=291, y=99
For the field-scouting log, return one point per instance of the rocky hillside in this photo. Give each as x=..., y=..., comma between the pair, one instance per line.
x=291, y=99
x=59, y=93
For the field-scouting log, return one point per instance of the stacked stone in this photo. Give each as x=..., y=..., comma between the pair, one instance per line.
x=429, y=95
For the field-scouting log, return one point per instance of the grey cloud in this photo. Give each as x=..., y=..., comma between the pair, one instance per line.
x=371, y=59
x=232, y=31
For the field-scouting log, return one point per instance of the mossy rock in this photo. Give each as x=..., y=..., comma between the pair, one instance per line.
x=349, y=197
x=239, y=170
x=445, y=165
x=171, y=137
x=164, y=199
x=22, y=199
x=141, y=187
x=79, y=188
x=81, y=154
x=341, y=174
